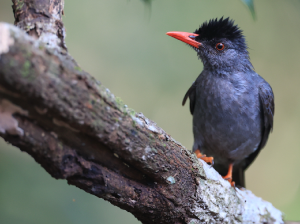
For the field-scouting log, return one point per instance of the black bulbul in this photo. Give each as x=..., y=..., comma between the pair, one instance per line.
x=232, y=106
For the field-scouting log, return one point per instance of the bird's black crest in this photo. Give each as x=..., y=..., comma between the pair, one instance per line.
x=217, y=29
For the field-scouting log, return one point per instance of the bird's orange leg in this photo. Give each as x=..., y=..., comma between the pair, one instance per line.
x=209, y=160
x=229, y=175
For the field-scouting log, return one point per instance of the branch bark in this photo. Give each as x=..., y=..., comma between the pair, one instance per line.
x=77, y=130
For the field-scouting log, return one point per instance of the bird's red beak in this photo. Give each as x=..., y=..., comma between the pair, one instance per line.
x=188, y=38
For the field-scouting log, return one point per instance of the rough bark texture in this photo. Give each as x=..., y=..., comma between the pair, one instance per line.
x=77, y=130
x=41, y=19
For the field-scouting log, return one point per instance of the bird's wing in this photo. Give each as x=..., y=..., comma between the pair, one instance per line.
x=191, y=93
x=266, y=98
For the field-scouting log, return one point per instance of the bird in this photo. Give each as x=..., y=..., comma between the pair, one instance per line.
x=232, y=106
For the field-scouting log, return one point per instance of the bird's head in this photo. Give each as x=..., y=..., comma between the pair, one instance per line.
x=219, y=44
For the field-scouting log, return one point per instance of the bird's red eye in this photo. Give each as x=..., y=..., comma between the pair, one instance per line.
x=220, y=46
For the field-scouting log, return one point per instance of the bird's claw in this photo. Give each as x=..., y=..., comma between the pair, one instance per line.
x=228, y=177
x=208, y=160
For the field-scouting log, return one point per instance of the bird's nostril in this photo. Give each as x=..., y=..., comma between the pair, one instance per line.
x=192, y=37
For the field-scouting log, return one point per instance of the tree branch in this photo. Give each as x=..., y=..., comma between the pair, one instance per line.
x=77, y=130
x=42, y=19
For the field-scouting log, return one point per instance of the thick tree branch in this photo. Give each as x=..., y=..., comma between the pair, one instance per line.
x=77, y=130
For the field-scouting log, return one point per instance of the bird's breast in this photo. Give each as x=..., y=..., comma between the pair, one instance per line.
x=227, y=118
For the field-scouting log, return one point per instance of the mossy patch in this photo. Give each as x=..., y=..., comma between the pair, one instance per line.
x=20, y=5
x=77, y=68
x=26, y=70
x=120, y=103
x=133, y=123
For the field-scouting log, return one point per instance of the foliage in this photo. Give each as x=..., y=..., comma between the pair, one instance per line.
x=250, y=5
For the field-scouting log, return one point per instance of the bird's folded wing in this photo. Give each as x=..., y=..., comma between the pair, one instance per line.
x=191, y=93
x=266, y=98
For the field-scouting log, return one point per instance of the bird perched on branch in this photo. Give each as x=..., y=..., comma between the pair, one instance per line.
x=232, y=106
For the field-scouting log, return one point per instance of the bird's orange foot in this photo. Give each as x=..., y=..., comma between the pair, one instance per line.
x=229, y=175
x=209, y=160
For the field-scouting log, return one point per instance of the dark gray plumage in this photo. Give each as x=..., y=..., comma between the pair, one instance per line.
x=232, y=106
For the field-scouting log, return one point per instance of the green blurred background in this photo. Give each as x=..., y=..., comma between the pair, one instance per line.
x=123, y=44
